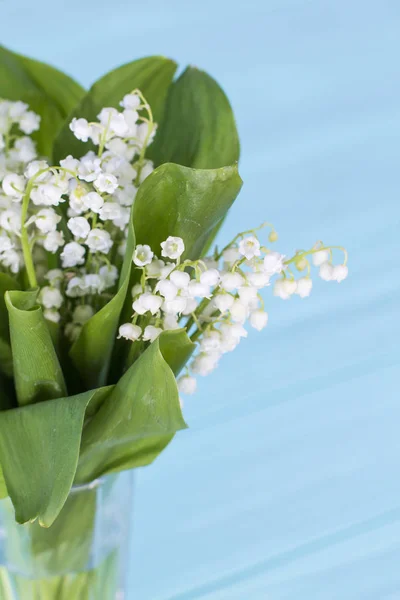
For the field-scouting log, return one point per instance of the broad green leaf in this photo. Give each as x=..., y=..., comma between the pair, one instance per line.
x=37, y=371
x=3, y=487
x=152, y=75
x=39, y=449
x=140, y=416
x=188, y=203
x=49, y=92
x=6, y=283
x=64, y=91
x=92, y=351
x=6, y=366
x=198, y=128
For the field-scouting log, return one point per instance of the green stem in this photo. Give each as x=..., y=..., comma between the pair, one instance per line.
x=196, y=335
x=241, y=234
x=191, y=321
x=315, y=250
x=103, y=138
x=150, y=122
x=26, y=247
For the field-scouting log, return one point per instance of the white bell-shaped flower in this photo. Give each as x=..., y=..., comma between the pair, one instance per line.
x=210, y=277
x=80, y=128
x=175, y=306
x=249, y=247
x=223, y=302
x=180, y=279
x=326, y=271
x=198, y=290
x=79, y=227
x=99, y=240
x=167, y=289
x=53, y=241
x=340, y=272
x=46, y=220
x=187, y=385
x=14, y=185
x=129, y=331
x=304, y=286
x=72, y=255
x=173, y=247
x=258, y=319
x=320, y=257
x=274, y=263
x=51, y=297
x=143, y=255
x=151, y=333
x=231, y=281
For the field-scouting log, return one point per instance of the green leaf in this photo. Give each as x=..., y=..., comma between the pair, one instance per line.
x=6, y=359
x=37, y=372
x=6, y=365
x=140, y=416
x=66, y=546
x=188, y=203
x=6, y=283
x=92, y=351
x=3, y=487
x=61, y=89
x=198, y=129
x=152, y=75
x=49, y=92
x=39, y=449
x=176, y=348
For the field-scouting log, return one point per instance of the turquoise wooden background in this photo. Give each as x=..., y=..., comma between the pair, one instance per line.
x=286, y=486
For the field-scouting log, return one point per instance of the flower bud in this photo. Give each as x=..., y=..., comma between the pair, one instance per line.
x=301, y=263
x=273, y=236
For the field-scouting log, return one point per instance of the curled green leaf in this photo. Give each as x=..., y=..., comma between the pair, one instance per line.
x=91, y=353
x=37, y=371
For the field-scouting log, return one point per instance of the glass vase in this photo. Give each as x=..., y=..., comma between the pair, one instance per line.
x=82, y=556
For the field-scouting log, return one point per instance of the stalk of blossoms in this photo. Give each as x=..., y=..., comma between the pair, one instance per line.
x=212, y=301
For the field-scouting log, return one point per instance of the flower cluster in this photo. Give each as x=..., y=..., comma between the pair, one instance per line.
x=16, y=151
x=213, y=298
x=97, y=192
x=77, y=213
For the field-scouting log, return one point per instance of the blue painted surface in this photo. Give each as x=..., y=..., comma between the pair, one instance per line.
x=286, y=486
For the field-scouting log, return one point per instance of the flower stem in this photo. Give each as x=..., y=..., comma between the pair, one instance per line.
x=26, y=247
x=241, y=234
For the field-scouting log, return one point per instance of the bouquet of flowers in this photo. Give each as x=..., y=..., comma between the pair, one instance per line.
x=113, y=298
